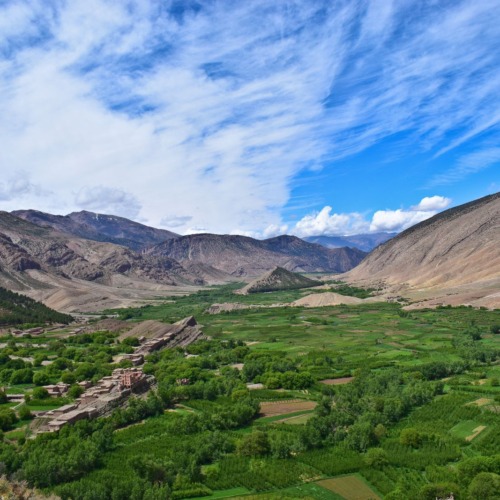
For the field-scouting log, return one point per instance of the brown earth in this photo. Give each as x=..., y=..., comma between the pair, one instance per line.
x=337, y=381
x=325, y=299
x=272, y=408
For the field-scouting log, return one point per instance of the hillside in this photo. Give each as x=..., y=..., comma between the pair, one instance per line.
x=456, y=250
x=16, y=309
x=99, y=227
x=365, y=242
x=278, y=279
x=242, y=256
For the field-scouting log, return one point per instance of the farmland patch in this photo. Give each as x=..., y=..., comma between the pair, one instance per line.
x=272, y=408
x=337, y=381
x=349, y=487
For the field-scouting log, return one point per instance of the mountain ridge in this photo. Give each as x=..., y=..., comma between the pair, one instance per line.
x=456, y=250
x=243, y=256
x=99, y=227
x=363, y=241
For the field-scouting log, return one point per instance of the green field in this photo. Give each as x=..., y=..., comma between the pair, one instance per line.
x=399, y=428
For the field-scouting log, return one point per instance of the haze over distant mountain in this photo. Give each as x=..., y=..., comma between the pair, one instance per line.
x=366, y=242
x=243, y=256
x=99, y=227
x=457, y=250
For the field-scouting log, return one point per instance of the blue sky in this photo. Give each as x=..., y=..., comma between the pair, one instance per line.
x=256, y=117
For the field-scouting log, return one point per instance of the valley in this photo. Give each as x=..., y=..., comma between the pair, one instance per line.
x=277, y=402
x=206, y=366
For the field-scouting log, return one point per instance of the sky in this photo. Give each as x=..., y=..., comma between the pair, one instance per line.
x=252, y=117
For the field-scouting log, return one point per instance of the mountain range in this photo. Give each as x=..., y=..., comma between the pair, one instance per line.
x=99, y=227
x=86, y=261
x=365, y=242
x=75, y=263
x=241, y=256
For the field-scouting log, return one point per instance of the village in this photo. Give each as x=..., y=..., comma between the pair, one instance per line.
x=114, y=390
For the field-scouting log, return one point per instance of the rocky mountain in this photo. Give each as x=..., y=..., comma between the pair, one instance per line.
x=25, y=246
x=241, y=256
x=278, y=279
x=70, y=273
x=456, y=250
x=99, y=227
x=365, y=242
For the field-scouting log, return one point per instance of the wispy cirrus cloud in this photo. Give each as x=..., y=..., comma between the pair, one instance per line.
x=209, y=110
x=466, y=165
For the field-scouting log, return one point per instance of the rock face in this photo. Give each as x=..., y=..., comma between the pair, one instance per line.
x=458, y=248
x=25, y=246
x=99, y=227
x=365, y=242
x=74, y=274
x=241, y=256
x=278, y=279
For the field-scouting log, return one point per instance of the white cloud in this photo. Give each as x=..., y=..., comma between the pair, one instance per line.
x=326, y=223
x=467, y=165
x=432, y=203
x=397, y=220
x=212, y=116
x=108, y=200
x=19, y=186
x=174, y=221
x=274, y=230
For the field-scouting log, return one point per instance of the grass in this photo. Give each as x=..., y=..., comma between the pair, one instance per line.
x=464, y=429
x=282, y=417
x=309, y=490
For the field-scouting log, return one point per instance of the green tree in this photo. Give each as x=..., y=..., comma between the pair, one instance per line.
x=485, y=486
x=255, y=444
x=75, y=391
x=376, y=458
x=40, y=393
x=41, y=378
x=410, y=437
x=24, y=413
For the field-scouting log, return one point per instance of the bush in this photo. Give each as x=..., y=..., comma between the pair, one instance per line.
x=40, y=393
x=41, y=378
x=24, y=413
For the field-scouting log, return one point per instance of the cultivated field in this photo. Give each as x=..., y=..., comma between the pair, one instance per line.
x=273, y=408
x=350, y=488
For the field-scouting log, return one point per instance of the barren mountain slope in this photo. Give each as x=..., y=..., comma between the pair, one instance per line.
x=456, y=248
x=242, y=256
x=278, y=279
x=99, y=227
x=68, y=272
